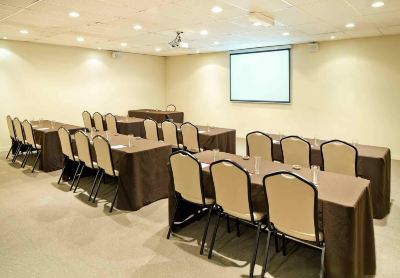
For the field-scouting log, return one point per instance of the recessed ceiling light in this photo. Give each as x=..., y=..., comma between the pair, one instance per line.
x=24, y=32
x=4, y=38
x=80, y=39
x=124, y=44
x=333, y=37
x=377, y=4
x=257, y=23
x=285, y=34
x=216, y=42
x=137, y=27
x=203, y=32
x=158, y=49
x=216, y=9
x=350, y=25
x=74, y=14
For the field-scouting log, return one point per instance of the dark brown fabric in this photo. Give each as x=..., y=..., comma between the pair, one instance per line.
x=52, y=157
x=157, y=115
x=373, y=164
x=345, y=212
x=211, y=138
x=129, y=125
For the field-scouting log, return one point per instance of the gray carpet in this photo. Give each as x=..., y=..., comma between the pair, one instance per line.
x=46, y=231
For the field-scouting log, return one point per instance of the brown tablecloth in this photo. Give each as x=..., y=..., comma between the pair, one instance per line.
x=47, y=136
x=130, y=125
x=211, y=138
x=345, y=212
x=157, y=115
x=374, y=164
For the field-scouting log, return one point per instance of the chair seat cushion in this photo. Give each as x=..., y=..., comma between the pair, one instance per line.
x=208, y=201
x=246, y=216
x=300, y=235
x=39, y=147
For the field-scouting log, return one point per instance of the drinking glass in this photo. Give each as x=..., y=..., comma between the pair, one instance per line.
x=107, y=134
x=354, y=142
x=316, y=141
x=257, y=160
x=40, y=121
x=130, y=140
x=281, y=136
x=215, y=154
x=92, y=130
x=32, y=120
x=52, y=124
x=208, y=127
x=315, y=173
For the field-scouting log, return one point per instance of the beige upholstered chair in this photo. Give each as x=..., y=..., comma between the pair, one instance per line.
x=151, y=129
x=292, y=204
x=339, y=157
x=66, y=148
x=170, y=133
x=87, y=120
x=111, y=122
x=296, y=151
x=19, y=134
x=98, y=121
x=11, y=131
x=188, y=185
x=190, y=137
x=105, y=163
x=171, y=108
x=259, y=144
x=233, y=197
x=32, y=145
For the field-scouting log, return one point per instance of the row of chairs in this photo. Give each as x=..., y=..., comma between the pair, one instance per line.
x=337, y=156
x=291, y=203
x=22, y=140
x=98, y=121
x=84, y=159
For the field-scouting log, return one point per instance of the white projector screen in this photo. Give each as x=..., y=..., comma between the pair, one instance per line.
x=262, y=76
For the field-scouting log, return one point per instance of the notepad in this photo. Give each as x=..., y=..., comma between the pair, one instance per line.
x=202, y=131
x=43, y=128
x=118, y=147
x=275, y=141
x=204, y=165
x=35, y=126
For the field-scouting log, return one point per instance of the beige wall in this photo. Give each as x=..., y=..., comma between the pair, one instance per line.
x=58, y=83
x=350, y=89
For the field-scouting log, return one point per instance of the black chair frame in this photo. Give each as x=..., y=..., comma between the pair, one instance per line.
x=262, y=133
x=299, y=138
x=343, y=142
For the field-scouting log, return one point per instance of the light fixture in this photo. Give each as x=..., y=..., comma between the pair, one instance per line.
x=350, y=25
x=177, y=42
x=257, y=23
x=80, y=39
x=124, y=44
x=216, y=9
x=285, y=34
x=377, y=4
x=216, y=43
x=4, y=38
x=158, y=49
x=333, y=37
x=24, y=32
x=74, y=14
x=203, y=32
x=261, y=19
x=137, y=27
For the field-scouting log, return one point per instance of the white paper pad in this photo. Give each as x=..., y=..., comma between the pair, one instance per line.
x=204, y=165
x=202, y=131
x=275, y=141
x=118, y=147
x=35, y=126
x=43, y=128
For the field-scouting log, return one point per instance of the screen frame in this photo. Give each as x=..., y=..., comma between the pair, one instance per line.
x=250, y=51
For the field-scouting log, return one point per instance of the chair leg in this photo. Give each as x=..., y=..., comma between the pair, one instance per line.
x=264, y=268
x=98, y=187
x=171, y=222
x=63, y=170
x=206, y=231
x=322, y=271
x=283, y=245
x=37, y=159
x=237, y=228
x=276, y=243
x=25, y=159
x=115, y=198
x=214, y=236
x=17, y=152
x=79, y=177
x=12, y=145
x=253, y=261
x=93, y=185
x=228, y=226
x=30, y=151
x=75, y=175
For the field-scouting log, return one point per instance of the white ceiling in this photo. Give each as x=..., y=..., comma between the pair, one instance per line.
x=106, y=23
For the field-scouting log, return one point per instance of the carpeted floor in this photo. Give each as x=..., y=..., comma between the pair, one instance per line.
x=47, y=231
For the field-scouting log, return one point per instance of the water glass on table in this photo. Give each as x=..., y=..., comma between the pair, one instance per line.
x=215, y=154
x=257, y=161
x=315, y=174
x=130, y=140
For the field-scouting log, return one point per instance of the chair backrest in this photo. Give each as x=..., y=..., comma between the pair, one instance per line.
x=232, y=189
x=19, y=134
x=292, y=205
x=190, y=137
x=66, y=145
x=171, y=108
x=170, y=133
x=259, y=144
x=339, y=157
x=87, y=120
x=103, y=154
x=150, y=126
x=83, y=148
x=11, y=129
x=111, y=122
x=296, y=151
x=187, y=178
x=28, y=131
x=98, y=121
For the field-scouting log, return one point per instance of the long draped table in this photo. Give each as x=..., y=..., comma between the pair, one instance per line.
x=131, y=125
x=157, y=115
x=345, y=213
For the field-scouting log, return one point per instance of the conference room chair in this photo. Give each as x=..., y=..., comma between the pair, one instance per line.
x=296, y=151
x=32, y=145
x=339, y=157
x=151, y=129
x=259, y=144
x=105, y=164
x=13, y=137
x=66, y=149
x=292, y=211
x=19, y=134
x=98, y=121
x=85, y=158
x=188, y=185
x=171, y=108
x=111, y=122
x=87, y=120
x=190, y=138
x=170, y=133
x=233, y=197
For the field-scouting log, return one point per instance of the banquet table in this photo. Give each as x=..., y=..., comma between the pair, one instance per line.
x=211, y=138
x=131, y=125
x=143, y=171
x=374, y=164
x=46, y=135
x=157, y=115
x=345, y=213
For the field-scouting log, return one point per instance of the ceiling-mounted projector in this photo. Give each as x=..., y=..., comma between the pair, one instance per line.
x=261, y=19
x=177, y=42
